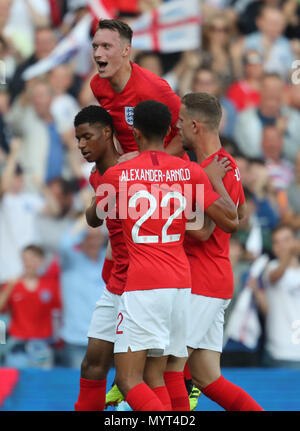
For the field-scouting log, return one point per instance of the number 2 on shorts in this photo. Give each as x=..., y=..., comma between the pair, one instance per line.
x=121, y=317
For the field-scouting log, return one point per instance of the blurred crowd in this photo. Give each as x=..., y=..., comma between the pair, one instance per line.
x=50, y=261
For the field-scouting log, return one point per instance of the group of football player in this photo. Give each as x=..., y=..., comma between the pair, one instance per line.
x=168, y=276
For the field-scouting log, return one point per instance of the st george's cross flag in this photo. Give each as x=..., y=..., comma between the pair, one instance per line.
x=172, y=27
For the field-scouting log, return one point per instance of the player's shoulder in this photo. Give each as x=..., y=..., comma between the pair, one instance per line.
x=147, y=81
x=194, y=166
x=223, y=153
x=95, y=177
x=95, y=81
x=175, y=162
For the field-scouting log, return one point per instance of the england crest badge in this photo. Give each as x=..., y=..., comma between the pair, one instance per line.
x=129, y=115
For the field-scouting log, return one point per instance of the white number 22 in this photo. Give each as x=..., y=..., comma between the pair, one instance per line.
x=142, y=239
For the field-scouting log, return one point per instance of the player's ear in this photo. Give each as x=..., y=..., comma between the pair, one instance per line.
x=126, y=50
x=136, y=133
x=169, y=131
x=107, y=132
x=195, y=127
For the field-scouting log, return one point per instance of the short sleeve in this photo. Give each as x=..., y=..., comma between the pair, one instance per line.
x=93, y=180
x=106, y=193
x=233, y=185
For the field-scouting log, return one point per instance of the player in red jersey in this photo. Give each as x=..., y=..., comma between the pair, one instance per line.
x=94, y=132
x=120, y=84
x=212, y=279
x=153, y=309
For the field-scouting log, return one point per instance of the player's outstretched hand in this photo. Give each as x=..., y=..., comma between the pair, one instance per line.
x=128, y=156
x=217, y=168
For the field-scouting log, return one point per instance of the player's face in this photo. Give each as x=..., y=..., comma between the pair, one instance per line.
x=91, y=141
x=109, y=52
x=185, y=128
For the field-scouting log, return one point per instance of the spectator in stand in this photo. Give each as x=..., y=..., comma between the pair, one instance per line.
x=270, y=42
x=82, y=255
x=24, y=17
x=19, y=211
x=30, y=300
x=216, y=51
x=240, y=268
x=64, y=107
x=290, y=8
x=280, y=301
x=207, y=81
x=10, y=56
x=270, y=112
x=44, y=43
x=51, y=227
x=246, y=92
x=280, y=170
x=179, y=77
x=42, y=154
x=263, y=213
x=259, y=185
x=250, y=234
x=292, y=215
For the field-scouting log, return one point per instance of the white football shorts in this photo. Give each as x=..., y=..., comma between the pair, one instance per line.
x=154, y=320
x=206, y=322
x=103, y=322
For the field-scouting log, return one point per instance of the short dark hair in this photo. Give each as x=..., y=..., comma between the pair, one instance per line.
x=93, y=114
x=152, y=118
x=116, y=25
x=67, y=187
x=35, y=249
x=205, y=107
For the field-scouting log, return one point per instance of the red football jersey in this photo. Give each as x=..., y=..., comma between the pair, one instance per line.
x=154, y=195
x=142, y=85
x=210, y=265
x=31, y=312
x=118, y=275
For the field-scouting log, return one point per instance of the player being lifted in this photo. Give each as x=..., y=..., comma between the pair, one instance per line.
x=153, y=309
x=121, y=84
x=212, y=278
